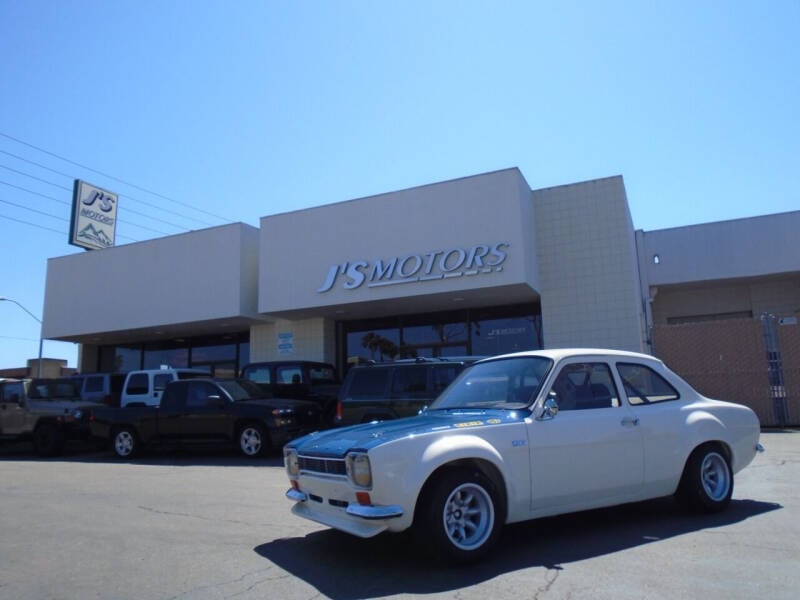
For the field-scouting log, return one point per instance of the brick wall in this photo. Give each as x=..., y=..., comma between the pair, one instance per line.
x=725, y=360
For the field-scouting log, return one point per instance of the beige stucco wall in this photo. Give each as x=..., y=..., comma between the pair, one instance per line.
x=588, y=266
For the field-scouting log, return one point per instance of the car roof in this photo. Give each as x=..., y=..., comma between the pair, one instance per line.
x=557, y=354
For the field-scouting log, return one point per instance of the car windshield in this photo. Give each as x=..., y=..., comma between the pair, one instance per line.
x=507, y=383
x=242, y=389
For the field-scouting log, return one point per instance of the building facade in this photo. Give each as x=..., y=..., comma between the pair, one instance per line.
x=474, y=266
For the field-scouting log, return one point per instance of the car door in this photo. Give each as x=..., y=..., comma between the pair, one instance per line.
x=12, y=407
x=203, y=418
x=590, y=453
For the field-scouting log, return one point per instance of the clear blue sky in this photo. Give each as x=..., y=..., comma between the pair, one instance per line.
x=230, y=111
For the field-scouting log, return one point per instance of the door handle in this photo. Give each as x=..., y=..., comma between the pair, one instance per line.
x=630, y=421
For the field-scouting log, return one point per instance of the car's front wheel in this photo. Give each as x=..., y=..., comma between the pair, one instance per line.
x=460, y=516
x=48, y=440
x=707, y=483
x=253, y=440
x=125, y=442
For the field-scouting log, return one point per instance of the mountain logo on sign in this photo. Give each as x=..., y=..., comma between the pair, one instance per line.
x=93, y=235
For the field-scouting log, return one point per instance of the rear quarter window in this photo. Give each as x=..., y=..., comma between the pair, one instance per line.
x=367, y=383
x=644, y=386
x=137, y=384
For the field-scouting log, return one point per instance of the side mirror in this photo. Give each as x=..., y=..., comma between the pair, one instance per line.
x=549, y=408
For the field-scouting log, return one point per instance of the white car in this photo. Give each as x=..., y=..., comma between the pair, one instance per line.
x=523, y=436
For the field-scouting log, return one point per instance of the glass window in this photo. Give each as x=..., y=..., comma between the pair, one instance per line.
x=435, y=333
x=258, y=374
x=93, y=383
x=120, y=359
x=367, y=382
x=443, y=375
x=582, y=386
x=222, y=352
x=160, y=381
x=494, y=336
x=289, y=375
x=154, y=358
x=409, y=381
x=12, y=391
x=643, y=385
x=508, y=383
x=137, y=384
x=198, y=393
x=373, y=344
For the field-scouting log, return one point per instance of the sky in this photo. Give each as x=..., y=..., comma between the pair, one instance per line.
x=199, y=113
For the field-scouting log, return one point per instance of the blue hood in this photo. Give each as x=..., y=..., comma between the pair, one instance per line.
x=335, y=443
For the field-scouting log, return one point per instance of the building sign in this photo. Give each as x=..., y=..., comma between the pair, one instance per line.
x=94, y=216
x=285, y=343
x=429, y=266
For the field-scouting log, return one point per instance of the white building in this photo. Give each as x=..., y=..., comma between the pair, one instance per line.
x=478, y=265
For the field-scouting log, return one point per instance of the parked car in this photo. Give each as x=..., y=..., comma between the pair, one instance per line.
x=232, y=411
x=301, y=379
x=47, y=411
x=390, y=390
x=104, y=388
x=523, y=436
x=145, y=387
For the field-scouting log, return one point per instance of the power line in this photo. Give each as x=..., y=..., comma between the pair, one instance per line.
x=133, y=185
x=38, y=212
x=58, y=231
x=130, y=210
x=150, y=204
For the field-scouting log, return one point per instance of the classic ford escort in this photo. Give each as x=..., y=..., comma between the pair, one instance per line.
x=523, y=436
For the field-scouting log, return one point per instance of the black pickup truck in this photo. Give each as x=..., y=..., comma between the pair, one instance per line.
x=232, y=411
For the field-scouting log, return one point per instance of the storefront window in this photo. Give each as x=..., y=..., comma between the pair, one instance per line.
x=119, y=359
x=204, y=354
x=499, y=336
x=173, y=357
x=483, y=332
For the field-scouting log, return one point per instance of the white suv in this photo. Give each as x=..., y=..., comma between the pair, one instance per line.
x=144, y=388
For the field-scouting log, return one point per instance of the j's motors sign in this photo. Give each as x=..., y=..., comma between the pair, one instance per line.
x=429, y=266
x=94, y=216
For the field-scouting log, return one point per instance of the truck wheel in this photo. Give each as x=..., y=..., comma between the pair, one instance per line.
x=48, y=440
x=460, y=517
x=707, y=482
x=253, y=440
x=125, y=442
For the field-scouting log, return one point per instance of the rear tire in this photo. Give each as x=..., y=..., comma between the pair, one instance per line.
x=125, y=443
x=48, y=440
x=707, y=482
x=460, y=516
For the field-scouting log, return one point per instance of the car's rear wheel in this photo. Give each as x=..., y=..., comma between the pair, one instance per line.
x=460, y=516
x=125, y=442
x=48, y=440
x=707, y=483
x=253, y=440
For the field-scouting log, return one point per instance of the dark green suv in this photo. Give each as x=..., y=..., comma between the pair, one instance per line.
x=382, y=391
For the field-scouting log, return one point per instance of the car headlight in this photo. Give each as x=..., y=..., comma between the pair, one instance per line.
x=76, y=414
x=358, y=469
x=291, y=462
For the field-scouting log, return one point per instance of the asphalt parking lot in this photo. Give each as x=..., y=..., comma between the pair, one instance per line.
x=205, y=524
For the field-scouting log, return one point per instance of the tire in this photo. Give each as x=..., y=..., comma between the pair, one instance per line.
x=707, y=482
x=460, y=516
x=48, y=440
x=125, y=442
x=252, y=440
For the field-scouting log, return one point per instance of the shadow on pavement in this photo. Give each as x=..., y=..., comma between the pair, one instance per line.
x=343, y=567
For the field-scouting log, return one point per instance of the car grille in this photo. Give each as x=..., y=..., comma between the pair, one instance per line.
x=327, y=466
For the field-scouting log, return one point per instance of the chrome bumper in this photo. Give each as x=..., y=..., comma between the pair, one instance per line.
x=371, y=513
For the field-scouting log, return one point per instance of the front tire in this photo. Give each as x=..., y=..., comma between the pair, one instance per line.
x=460, y=518
x=125, y=442
x=253, y=440
x=707, y=483
x=48, y=440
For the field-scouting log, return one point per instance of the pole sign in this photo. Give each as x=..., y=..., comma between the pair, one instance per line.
x=94, y=216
